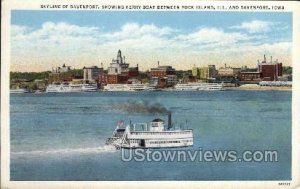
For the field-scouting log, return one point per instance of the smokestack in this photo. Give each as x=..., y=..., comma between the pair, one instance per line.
x=157, y=63
x=169, y=120
x=271, y=59
x=265, y=58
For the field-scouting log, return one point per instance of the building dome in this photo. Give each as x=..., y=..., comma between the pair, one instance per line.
x=157, y=120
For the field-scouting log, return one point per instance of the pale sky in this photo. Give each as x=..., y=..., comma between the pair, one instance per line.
x=45, y=39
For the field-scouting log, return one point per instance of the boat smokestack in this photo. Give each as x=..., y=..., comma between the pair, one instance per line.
x=169, y=119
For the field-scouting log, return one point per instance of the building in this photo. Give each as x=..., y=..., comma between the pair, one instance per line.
x=171, y=80
x=196, y=72
x=62, y=69
x=229, y=71
x=133, y=71
x=61, y=74
x=250, y=76
x=162, y=71
x=91, y=74
x=270, y=71
x=119, y=71
x=117, y=66
x=266, y=71
x=113, y=79
x=204, y=73
x=163, y=76
x=154, y=82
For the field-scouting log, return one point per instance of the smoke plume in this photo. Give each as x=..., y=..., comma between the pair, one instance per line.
x=142, y=107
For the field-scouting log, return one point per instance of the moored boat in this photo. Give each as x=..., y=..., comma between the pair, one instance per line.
x=197, y=86
x=17, y=91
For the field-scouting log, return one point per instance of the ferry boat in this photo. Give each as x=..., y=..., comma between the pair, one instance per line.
x=17, y=91
x=89, y=87
x=65, y=87
x=138, y=87
x=128, y=87
x=57, y=88
x=116, y=87
x=275, y=83
x=150, y=135
x=196, y=86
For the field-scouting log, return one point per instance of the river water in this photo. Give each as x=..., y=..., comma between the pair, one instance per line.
x=61, y=136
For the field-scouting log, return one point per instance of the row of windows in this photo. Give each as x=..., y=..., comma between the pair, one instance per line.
x=160, y=133
x=161, y=142
x=169, y=142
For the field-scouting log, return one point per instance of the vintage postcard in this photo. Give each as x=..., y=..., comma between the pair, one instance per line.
x=150, y=94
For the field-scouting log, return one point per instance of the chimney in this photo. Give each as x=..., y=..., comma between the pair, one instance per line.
x=271, y=59
x=169, y=120
x=265, y=58
x=157, y=63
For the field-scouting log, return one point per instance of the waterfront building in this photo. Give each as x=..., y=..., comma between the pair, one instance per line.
x=204, y=73
x=266, y=71
x=133, y=71
x=250, y=76
x=113, y=79
x=171, y=80
x=162, y=71
x=154, y=81
x=91, y=74
x=270, y=70
x=164, y=76
x=41, y=84
x=196, y=72
x=228, y=71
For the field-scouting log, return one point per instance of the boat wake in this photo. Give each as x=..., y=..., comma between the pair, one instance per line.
x=68, y=151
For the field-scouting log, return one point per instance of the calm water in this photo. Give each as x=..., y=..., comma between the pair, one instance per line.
x=62, y=136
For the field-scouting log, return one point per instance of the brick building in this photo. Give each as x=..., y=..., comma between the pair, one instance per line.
x=266, y=71
x=166, y=76
x=162, y=71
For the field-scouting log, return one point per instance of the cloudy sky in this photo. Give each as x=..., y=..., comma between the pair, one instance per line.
x=45, y=39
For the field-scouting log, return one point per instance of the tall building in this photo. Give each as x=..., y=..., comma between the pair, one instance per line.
x=91, y=74
x=196, y=72
x=204, y=73
x=117, y=66
x=119, y=71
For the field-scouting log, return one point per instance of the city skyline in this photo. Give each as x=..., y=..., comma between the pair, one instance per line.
x=45, y=39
